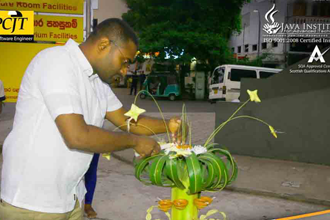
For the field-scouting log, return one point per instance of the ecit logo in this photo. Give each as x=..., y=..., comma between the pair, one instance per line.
x=16, y=22
x=317, y=55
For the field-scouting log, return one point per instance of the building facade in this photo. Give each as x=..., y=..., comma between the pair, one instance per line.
x=109, y=9
x=296, y=23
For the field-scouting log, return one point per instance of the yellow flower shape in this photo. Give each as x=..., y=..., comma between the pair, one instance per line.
x=272, y=130
x=106, y=156
x=253, y=96
x=134, y=112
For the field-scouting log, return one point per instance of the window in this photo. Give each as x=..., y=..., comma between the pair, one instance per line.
x=246, y=48
x=171, y=80
x=324, y=9
x=299, y=8
x=239, y=50
x=237, y=74
x=264, y=74
x=233, y=49
x=323, y=12
x=264, y=45
x=320, y=9
x=315, y=9
x=327, y=12
x=254, y=47
x=274, y=44
x=218, y=76
x=95, y=22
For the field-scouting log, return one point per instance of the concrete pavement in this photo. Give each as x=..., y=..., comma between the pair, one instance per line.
x=276, y=187
x=120, y=196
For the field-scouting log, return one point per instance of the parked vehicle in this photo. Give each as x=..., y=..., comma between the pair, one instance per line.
x=161, y=85
x=225, y=81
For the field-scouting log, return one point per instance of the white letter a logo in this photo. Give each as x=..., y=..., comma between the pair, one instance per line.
x=319, y=55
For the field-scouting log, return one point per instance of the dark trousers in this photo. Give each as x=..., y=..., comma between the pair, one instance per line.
x=91, y=178
x=133, y=87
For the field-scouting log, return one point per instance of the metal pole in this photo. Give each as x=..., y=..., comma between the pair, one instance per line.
x=259, y=35
x=243, y=47
x=88, y=17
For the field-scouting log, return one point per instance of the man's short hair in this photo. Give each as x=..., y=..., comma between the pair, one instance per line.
x=116, y=30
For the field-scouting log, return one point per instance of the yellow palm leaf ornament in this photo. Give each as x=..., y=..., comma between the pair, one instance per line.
x=133, y=114
x=254, y=96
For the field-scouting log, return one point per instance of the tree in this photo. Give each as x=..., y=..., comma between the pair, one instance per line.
x=183, y=29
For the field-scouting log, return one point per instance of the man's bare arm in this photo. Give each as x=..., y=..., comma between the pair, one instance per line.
x=78, y=135
x=119, y=119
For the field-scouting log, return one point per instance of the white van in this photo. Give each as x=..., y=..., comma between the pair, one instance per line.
x=225, y=81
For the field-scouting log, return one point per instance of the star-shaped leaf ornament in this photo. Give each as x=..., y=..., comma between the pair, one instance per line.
x=254, y=96
x=134, y=112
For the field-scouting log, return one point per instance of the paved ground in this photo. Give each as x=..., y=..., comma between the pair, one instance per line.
x=265, y=189
x=120, y=196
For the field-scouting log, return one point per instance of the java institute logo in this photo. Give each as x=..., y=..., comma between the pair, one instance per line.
x=16, y=26
x=272, y=27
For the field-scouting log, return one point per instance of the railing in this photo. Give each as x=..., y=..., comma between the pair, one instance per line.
x=308, y=20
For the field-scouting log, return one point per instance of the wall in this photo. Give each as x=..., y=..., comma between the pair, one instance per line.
x=110, y=9
x=251, y=30
x=295, y=104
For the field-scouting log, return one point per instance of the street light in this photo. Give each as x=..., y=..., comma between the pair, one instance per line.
x=257, y=11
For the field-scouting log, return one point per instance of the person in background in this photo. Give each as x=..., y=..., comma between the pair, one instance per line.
x=153, y=86
x=90, y=183
x=142, y=79
x=2, y=95
x=134, y=85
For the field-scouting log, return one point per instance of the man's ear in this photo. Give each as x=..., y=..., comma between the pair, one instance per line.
x=103, y=44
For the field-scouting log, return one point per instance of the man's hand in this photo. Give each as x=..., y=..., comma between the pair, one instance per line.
x=175, y=127
x=146, y=146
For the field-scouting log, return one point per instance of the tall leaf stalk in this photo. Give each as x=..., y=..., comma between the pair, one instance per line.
x=190, y=212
